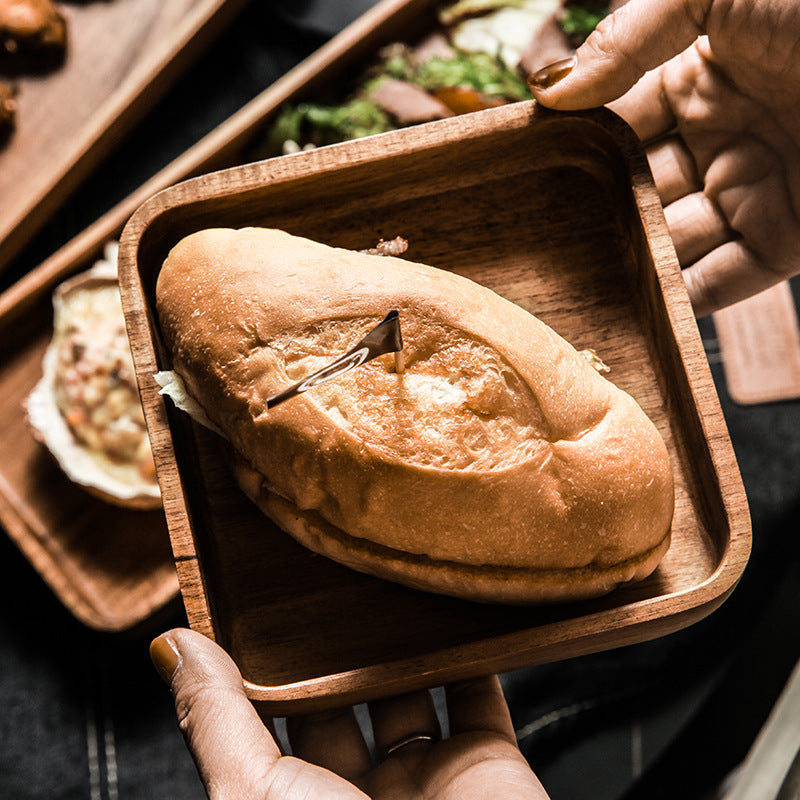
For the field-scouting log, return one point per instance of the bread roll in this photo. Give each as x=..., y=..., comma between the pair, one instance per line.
x=499, y=466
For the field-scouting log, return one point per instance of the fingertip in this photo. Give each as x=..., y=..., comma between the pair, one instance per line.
x=165, y=656
x=549, y=85
x=574, y=83
x=182, y=655
x=479, y=704
x=700, y=296
x=582, y=80
x=227, y=738
x=636, y=38
x=550, y=75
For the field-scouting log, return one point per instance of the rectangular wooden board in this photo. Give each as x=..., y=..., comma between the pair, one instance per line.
x=121, y=55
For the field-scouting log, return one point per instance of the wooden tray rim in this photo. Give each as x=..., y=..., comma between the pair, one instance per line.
x=631, y=620
x=45, y=560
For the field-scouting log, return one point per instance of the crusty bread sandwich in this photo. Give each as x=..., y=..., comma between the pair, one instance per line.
x=497, y=466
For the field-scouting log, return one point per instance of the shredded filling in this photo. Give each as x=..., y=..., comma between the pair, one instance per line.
x=95, y=383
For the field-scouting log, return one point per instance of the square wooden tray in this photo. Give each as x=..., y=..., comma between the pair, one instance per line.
x=557, y=213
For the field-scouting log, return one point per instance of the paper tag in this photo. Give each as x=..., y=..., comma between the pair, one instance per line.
x=759, y=341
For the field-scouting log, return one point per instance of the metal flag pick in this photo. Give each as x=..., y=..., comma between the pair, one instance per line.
x=384, y=338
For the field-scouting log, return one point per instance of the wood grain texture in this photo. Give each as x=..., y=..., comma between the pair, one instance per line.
x=121, y=56
x=558, y=213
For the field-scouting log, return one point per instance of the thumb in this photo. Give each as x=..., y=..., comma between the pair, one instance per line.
x=639, y=36
x=230, y=745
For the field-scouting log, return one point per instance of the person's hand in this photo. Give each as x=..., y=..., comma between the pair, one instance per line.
x=719, y=110
x=238, y=759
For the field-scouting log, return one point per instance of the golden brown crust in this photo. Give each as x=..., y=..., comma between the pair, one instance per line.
x=499, y=447
x=481, y=583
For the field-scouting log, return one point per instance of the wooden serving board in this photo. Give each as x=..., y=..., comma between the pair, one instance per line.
x=121, y=56
x=558, y=213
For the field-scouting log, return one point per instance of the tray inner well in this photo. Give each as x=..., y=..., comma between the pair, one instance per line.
x=544, y=216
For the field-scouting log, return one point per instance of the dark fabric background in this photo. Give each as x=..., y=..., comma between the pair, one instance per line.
x=84, y=715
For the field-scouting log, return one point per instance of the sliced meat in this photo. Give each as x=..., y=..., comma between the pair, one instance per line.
x=434, y=45
x=409, y=104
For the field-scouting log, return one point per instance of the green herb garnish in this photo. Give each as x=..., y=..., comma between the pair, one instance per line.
x=480, y=71
x=579, y=20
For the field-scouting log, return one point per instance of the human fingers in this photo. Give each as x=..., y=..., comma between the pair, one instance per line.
x=673, y=168
x=646, y=107
x=404, y=723
x=724, y=276
x=480, y=723
x=636, y=38
x=748, y=239
x=696, y=226
x=230, y=745
x=332, y=740
x=479, y=705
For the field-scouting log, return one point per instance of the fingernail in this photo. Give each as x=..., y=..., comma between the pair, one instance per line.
x=551, y=74
x=165, y=657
